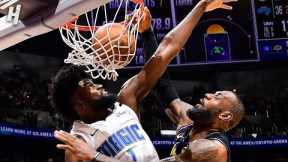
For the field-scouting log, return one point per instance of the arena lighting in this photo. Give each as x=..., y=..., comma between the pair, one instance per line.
x=168, y=132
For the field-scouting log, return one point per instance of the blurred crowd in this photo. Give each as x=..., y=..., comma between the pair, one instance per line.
x=21, y=88
x=24, y=99
x=265, y=117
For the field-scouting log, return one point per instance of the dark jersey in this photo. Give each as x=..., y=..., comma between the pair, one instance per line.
x=182, y=140
x=221, y=137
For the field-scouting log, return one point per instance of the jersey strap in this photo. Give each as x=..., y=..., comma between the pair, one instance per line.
x=182, y=139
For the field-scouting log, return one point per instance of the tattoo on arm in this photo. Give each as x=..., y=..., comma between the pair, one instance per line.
x=202, y=150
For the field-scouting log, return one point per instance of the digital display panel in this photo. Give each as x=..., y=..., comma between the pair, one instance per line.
x=220, y=36
x=272, y=28
x=254, y=30
x=163, y=20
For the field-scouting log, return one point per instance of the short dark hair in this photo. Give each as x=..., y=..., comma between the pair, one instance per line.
x=63, y=86
x=238, y=111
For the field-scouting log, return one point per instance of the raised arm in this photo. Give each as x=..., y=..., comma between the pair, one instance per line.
x=166, y=93
x=136, y=88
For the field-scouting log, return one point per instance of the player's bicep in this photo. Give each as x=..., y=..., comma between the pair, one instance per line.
x=127, y=94
x=136, y=88
x=154, y=69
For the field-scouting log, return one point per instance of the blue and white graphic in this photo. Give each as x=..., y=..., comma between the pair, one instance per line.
x=121, y=139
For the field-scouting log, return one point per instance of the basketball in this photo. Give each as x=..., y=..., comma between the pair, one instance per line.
x=113, y=45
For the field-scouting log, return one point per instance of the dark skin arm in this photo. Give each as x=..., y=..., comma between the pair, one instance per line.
x=177, y=108
x=136, y=88
x=204, y=150
x=177, y=111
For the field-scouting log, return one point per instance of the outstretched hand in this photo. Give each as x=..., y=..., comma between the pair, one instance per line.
x=141, y=15
x=146, y=19
x=80, y=149
x=215, y=4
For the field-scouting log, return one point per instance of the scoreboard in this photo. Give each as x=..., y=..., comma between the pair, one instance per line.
x=254, y=30
x=163, y=20
x=272, y=28
x=220, y=36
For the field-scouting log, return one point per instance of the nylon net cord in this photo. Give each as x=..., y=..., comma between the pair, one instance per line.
x=96, y=60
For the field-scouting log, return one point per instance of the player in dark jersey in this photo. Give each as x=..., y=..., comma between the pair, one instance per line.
x=201, y=128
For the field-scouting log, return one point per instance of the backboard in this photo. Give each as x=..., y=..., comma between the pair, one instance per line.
x=39, y=17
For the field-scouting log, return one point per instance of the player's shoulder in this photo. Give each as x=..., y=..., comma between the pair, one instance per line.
x=221, y=140
x=208, y=149
x=81, y=127
x=120, y=115
x=222, y=151
x=122, y=109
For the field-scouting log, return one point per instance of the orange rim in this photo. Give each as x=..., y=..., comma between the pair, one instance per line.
x=84, y=28
x=72, y=25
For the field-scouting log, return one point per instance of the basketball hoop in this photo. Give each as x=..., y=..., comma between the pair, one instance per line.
x=101, y=57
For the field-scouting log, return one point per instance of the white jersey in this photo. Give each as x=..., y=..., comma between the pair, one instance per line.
x=120, y=136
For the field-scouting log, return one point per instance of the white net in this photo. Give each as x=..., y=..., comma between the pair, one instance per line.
x=102, y=44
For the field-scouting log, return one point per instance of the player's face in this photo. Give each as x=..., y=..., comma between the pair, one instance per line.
x=95, y=95
x=212, y=106
x=91, y=90
x=221, y=100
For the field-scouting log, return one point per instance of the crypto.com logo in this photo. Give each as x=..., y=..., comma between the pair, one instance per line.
x=13, y=13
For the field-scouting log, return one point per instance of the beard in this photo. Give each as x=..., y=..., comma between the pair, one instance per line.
x=104, y=103
x=201, y=116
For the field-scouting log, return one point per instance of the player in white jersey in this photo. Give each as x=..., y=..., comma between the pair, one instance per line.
x=114, y=130
x=120, y=135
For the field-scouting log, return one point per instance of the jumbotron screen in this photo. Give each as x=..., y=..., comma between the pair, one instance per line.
x=253, y=30
x=272, y=28
x=220, y=37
